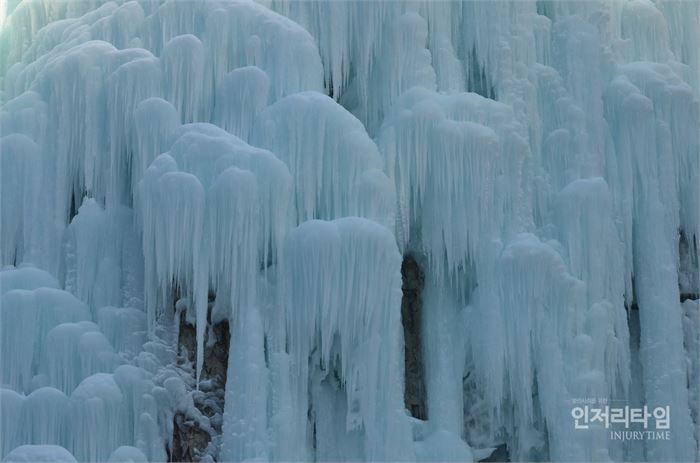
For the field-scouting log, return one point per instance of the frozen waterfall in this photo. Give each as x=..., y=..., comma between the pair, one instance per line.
x=308, y=230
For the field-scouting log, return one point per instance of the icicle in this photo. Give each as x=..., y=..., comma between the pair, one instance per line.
x=232, y=206
x=44, y=417
x=330, y=24
x=353, y=327
x=178, y=250
x=12, y=403
x=405, y=64
x=21, y=179
x=244, y=434
x=127, y=87
x=241, y=96
x=444, y=351
x=183, y=75
x=154, y=122
x=95, y=414
x=445, y=155
x=62, y=361
x=210, y=225
x=328, y=153
x=125, y=328
x=644, y=142
x=239, y=34
x=533, y=336
x=136, y=387
x=92, y=267
x=584, y=213
x=27, y=317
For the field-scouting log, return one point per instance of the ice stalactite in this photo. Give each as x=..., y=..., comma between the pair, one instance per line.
x=100, y=263
x=444, y=351
x=242, y=95
x=66, y=358
x=154, y=123
x=585, y=212
x=27, y=318
x=124, y=327
x=335, y=166
x=350, y=46
x=44, y=413
x=332, y=328
x=240, y=34
x=655, y=221
x=27, y=19
x=182, y=59
x=172, y=253
x=479, y=141
x=129, y=85
x=423, y=184
x=541, y=339
x=62, y=348
x=216, y=243
x=331, y=36
x=408, y=67
x=245, y=427
x=11, y=412
x=19, y=222
x=96, y=398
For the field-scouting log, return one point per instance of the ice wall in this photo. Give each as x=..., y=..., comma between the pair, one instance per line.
x=267, y=164
x=64, y=386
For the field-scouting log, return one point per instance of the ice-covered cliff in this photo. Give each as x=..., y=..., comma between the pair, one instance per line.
x=184, y=179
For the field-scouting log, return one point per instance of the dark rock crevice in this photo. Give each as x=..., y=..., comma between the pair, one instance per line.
x=190, y=440
x=688, y=277
x=411, y=307
x=193, y=440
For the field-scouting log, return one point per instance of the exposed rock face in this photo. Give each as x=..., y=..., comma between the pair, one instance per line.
x=186, y=341
x=411, y=305
x=500, y=454
x=216, y=353
x=191, y=439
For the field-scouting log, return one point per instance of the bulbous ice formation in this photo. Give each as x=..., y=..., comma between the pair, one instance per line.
x=27, y=318
x=334, y=164
x=332, y=333
x=40, y=453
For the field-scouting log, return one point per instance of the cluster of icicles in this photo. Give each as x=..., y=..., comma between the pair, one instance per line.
x=538, y=159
